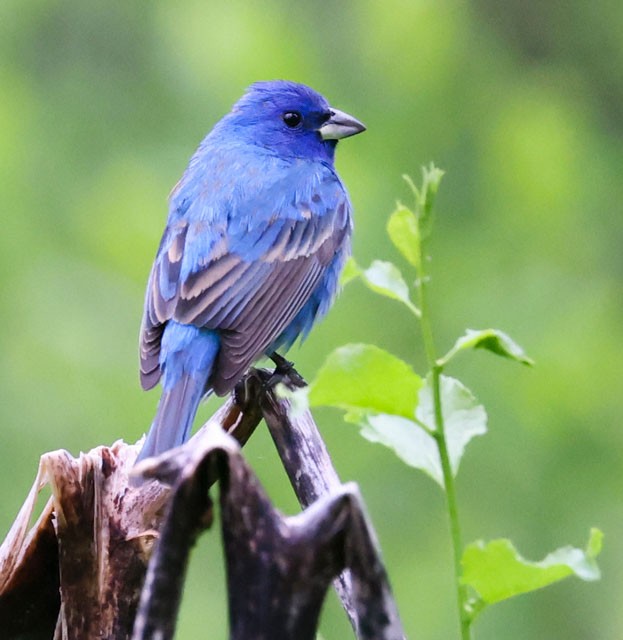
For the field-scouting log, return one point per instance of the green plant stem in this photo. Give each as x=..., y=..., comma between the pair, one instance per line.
x=440, y=438
x=452, y=507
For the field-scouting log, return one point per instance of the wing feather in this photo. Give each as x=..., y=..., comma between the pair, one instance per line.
x=217, y=278
x=268, y=313
x=160, y=302
x=251, y=283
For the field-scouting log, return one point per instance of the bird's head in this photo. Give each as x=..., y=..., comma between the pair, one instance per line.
x=290, y=119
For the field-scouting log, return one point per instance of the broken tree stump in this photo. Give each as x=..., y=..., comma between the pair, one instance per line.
x=107, y=559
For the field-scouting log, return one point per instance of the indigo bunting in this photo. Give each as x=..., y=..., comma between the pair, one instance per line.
x=258, y=231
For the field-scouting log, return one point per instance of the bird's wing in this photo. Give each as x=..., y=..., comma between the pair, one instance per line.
x=160, y=300
x=251, y=278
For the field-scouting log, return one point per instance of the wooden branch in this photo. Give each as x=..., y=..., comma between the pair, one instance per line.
x=278, y=568
x=90, y=547
x=29, y=580
x=92, y=543
x=311, y=472
x=78, y=573
x=303, y=454
x=301, y=448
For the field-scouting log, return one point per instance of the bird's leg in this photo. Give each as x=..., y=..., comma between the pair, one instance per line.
x=283, y=366
x=284, y=370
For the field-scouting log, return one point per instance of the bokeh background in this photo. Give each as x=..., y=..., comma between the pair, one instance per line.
x=101, y=105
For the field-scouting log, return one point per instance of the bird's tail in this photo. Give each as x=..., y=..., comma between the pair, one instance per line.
x=174, y=418
x=187, y=368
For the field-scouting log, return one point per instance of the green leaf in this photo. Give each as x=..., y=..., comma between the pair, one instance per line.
x=385, y=278
x=497, y=571
x=595, y=543
x=425, y=196
x=403, y=231
x=413, y=443
x=362, y=377
x=406, y=438
x=463, y=417
x=431, y=178
x=493, y=340
x=350, y=271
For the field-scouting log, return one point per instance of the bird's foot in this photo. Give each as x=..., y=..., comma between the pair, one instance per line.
x=283, y=366
x=284, y=372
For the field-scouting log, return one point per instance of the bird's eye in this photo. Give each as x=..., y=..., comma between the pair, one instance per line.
x=292, y=119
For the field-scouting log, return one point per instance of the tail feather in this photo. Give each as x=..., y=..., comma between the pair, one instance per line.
x=174, y=417
x=186, y=359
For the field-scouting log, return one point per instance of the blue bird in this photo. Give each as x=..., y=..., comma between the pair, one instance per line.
x=258, y=231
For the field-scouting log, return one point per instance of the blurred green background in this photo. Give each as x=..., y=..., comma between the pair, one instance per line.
x=102, y=104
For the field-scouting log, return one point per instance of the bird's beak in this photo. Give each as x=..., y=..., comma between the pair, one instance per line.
x=340, y=125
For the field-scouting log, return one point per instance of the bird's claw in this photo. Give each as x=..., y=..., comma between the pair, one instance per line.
x=284, y=367
x=284, y=372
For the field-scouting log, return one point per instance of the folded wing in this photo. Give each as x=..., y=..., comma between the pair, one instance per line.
x=252, y=281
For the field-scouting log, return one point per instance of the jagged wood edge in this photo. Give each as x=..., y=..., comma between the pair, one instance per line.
x=279, y=568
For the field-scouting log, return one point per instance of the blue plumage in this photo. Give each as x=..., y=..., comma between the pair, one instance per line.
x=258, y=231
